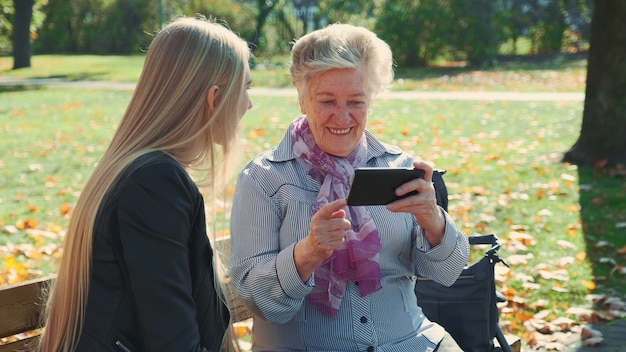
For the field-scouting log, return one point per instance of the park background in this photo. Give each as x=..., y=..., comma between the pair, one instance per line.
x=562, y=223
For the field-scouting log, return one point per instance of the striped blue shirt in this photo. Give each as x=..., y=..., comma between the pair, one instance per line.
x=272, y=210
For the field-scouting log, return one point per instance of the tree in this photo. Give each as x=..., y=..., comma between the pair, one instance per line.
x=475, y=30
x=264, y=9
x=400, y=25
x=238, y=16
x=602, y=139
x=547, y=32
x=21, y=33
x=125, y=21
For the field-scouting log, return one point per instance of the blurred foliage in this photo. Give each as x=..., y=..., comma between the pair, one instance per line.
x=96, y=26
x=421, y=32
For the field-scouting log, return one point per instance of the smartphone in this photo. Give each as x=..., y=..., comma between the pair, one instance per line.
x=377, y=185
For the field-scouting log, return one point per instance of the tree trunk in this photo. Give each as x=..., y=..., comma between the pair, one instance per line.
x=480, y=42
x=602, y=140
x=265, y=8
x=21, y=33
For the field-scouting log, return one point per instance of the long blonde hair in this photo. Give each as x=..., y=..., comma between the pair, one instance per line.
x=168, y=112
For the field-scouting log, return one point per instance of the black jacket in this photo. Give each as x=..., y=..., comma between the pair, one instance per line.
x=151, y=285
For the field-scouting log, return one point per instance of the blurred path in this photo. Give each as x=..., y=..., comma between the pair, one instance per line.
x=260, y=91
x=455, y=95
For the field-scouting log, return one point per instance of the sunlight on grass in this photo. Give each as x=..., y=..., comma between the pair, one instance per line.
x=77, y=67
x=502, y=158
x=51, y=141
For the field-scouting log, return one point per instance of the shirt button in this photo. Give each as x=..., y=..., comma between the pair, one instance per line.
x=370, y=349
x=364, y=320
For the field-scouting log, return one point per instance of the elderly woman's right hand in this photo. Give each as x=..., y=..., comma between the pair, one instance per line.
x=328, y=228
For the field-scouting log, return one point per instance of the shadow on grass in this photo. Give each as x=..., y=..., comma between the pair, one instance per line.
x=40, y=82
x=76, y=76
x=19, y=88
x=73, y=76
x=603, y=217
x=553, y=62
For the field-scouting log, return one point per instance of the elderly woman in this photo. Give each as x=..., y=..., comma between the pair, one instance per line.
x=320, y=275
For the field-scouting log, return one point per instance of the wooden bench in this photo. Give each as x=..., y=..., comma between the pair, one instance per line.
x=20, y=306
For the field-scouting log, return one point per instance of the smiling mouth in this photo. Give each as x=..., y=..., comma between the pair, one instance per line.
x=342, y=131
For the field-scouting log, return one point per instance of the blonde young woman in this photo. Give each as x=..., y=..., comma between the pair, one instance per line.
x=137, y=272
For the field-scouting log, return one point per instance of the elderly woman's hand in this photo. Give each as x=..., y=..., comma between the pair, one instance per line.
x=422, y=205
x=328, y=231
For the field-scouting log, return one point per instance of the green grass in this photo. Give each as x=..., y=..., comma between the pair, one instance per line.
x=558, y=73
x=51, y=141
x=504, y=177
x=77, y=67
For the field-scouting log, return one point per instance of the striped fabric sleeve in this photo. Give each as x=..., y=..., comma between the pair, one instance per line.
x=263, y=274
x=443, y=263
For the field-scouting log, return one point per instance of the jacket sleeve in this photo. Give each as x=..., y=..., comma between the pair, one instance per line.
x=156, y=208
x=263, y=274
x=443, y=263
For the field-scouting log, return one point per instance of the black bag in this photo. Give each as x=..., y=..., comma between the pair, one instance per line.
x=467, y=309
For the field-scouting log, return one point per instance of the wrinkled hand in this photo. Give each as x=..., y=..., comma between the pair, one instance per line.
x=328, y=229
x=422, y=205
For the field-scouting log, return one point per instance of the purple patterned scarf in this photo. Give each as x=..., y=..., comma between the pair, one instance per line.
x=357, y=259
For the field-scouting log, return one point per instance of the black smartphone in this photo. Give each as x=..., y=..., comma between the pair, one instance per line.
x=377, y=185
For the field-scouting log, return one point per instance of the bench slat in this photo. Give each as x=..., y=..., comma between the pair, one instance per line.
x=21, y=305
x=24, y=345
x=238, y=311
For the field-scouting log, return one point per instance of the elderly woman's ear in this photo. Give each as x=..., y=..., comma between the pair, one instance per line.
x=301, y=103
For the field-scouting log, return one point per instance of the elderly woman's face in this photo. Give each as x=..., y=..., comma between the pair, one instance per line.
x=336, y=107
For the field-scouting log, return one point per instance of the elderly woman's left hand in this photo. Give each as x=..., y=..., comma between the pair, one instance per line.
x=422, y=205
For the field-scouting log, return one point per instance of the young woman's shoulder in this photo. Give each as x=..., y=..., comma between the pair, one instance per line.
x=161, y=173
x=155, y=165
